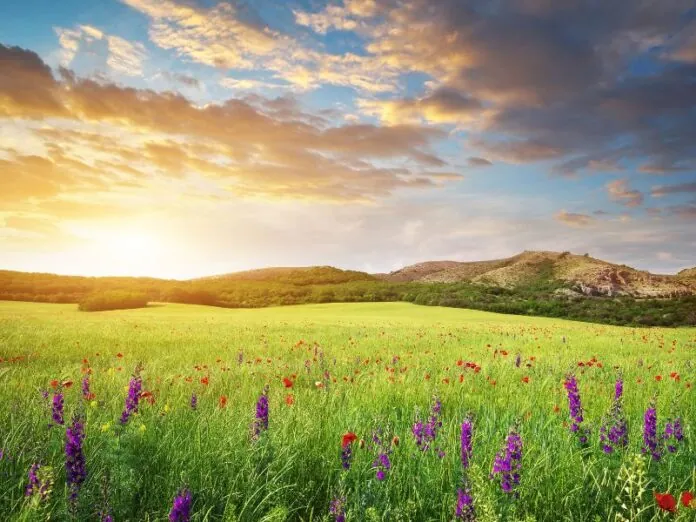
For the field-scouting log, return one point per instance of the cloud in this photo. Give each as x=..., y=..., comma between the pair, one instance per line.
x=255, y=148
x=249, y=84
x=574, y=220
x=620, y=192
x=681, y=188
x=478, y=162
x=120, y=55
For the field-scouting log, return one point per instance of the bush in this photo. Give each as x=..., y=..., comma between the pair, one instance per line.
x=114, y=300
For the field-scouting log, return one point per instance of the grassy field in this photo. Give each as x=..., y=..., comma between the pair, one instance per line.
x=352, y=368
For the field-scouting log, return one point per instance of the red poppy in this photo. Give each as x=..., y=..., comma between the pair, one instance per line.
x=687, y=499
x=348, y=438
x=119, y=355
x=290, y=400
x=67, y=384
x=287, y=382
x=525, y=379
x=658, y=378
x=204, y=380
x=223, y=401
x=556, y=408
x=148, y=396
x=460, y=362
x=54, y=383
x=666, y=501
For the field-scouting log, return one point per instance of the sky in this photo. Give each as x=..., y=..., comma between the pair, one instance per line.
x=184, y=138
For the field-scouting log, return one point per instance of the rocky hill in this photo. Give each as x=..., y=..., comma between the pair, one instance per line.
x=579, y=274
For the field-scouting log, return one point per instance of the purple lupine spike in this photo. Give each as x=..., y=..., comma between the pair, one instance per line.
x=508, y=463
x=133, y=398
x=346, y=456
x=650, y=441
x=673, y=434
x=85, y=387
x=261, y=420
x=75, y=464
x=194, y=401
x=575, y=407
x=337, y=508
x=465, y=505
x=613, y=433
x=426, y=433
x=181, y=507
x=34, y=484
x=57, y=409
x=467, y=440
x=382, y=448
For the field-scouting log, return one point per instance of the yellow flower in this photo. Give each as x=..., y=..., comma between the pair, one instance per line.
x=110, y=371
x=142, y=428
x=105, y=427
x=94, y=404
x=166, y=408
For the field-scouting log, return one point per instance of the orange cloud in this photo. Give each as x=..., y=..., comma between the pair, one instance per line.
x=574, y=220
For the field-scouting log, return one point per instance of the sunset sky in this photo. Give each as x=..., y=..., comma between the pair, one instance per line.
x=183, y=138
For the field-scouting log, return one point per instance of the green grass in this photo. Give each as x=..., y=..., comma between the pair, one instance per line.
x=294, y=470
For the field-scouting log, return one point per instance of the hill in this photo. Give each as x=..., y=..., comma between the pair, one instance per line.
x=305, y=275
x=689, y=273
x=570, y=273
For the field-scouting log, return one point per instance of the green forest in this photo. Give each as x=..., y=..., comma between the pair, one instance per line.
x=275, y=287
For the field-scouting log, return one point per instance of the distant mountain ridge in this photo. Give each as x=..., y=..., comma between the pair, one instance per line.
x=579, y=274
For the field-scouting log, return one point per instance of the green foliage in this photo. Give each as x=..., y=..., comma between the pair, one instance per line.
x=277, y=287
x=112, y=300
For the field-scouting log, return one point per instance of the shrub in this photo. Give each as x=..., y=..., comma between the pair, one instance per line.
x=113, y=300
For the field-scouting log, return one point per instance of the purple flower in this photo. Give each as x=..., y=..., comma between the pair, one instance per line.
x=181, y=508
x=85, y=387
x=673, y=434
x=75, y=470
x=508, y=462
x=518, y=360
x=650, y=442
x=575, y=407
x=465, y=505
x=57, y=411
x=35, y=485
x=261, y=421
x=133, y=398
x=337, y=508
x=194, y=401
x=382, y=448
x=467, y=440
x=346, y=456
x=614, y=430
x=426, y=433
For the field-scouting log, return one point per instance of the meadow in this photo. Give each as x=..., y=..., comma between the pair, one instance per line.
x=341, y=412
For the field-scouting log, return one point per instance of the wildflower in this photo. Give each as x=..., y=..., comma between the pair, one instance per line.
x=337, y=508
x=687, y=500
x=289, y=399
x=575, y=407
x=261, y=421
x=86, y=393
x=666, y=502
x=508, y=462
x=142, y=428
x=382, y=463
x=465, y=505
x=650, y=442
x=426, y=433
x=614, y=430
x=181, y=508
x=222, y=402
x=133, y=396
x=347, y=449
x=105, y=427
x=194, y=401
x=287, y=382
x=57, y=413
x=467, y=440
x=54, y=383
x=74, y=457
x=39, y=482
x=518, y=360
x=673, y=434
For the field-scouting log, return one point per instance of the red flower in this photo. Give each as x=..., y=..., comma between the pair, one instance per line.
x=67, y=384
x=54, y=383
x=348, y=438
x=290, y=400
x=223, y=401
x=287, y=382
x=204, y=380
x=687, y=498
x=666, y=501
x=119, y=355
x=525, y=379
x=658, y=378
